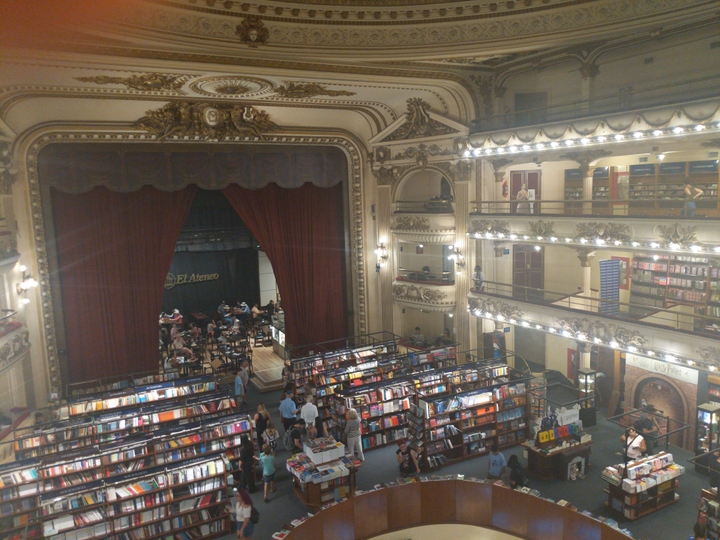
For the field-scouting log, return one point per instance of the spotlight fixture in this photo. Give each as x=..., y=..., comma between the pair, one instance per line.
x=457, y=256
x=382, y=253
x=27, y=282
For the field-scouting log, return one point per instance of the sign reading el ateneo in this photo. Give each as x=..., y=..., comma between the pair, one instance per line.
x=182, y=279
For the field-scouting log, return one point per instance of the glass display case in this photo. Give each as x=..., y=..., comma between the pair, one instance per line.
x=706, y=430
x=586, y=392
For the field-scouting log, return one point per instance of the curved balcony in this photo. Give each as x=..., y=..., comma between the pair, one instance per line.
x=416, y=222
x=426, y=291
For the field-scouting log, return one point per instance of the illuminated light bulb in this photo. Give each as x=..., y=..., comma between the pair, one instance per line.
x=477, y=235
x=632, y=348
x=716, y=249
x=539, y=237
x=537, y=248
x=566, y=333
x=500, y=150
x=552, y=330
x=540, y=146
x=500, y=317
x=512, y=321
x=569, y=142
x=581, y=336
x=678, y=130
x=690, y=363
x=538, y=327
x=600, y=241
x=661, y=156
x=488, y=151
x=602, y=138
x=638, y=135
x=619, y=137
x=489, y=234
x=670, y=358
x=554, y=144
x=25, y=301
x=22, y=268
x=711, y=368
x=635, y=244
x=450, y=315
x=501, y=235
x=585, y=140
x=658, y=132
x=651, y=353
x=583, y=240
x=513, y=149
x=673, y=245
x=699, y=127
x=617, y=242
x=526, y=237
x=654, y=245
x=526, y=147
x=466, y=153
x=695, y=248
x=553, y=239
x=526, y=324
x=597, y=340
x=614, y=344
x=477, y=152
x=568, y=240
x=656, y=257
x=513, y=237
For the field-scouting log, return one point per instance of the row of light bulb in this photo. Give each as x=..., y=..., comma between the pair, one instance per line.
x=596, y=241
x=584, y=141
x=580, y=336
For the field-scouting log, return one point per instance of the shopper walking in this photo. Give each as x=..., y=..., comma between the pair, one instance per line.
x=247, y=463
x=261, y=419
x=243, y=514
x=288, y=410
x=267, y=460
x=497, y=465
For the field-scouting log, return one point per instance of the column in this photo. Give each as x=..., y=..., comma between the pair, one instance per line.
x=464, y=272
x=585, y=256
x=386, y=274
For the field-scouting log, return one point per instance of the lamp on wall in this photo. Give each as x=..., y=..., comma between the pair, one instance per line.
x=27, y=282
x=382, y=253
x=457, y=256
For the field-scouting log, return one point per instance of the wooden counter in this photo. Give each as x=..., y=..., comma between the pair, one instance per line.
x=451, y=501
x=555, y=465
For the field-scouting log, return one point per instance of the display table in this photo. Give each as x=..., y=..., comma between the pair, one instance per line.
x=643, y=486
x=322, y=474
x=554, y=459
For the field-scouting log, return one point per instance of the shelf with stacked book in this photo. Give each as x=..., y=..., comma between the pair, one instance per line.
x=643, y=486
x=20, y=489
x=108, y=384
x=75, y=512
x=128, y=455
x=574, y=192
x=69, y=469
x=649, y=283
x=601, y=180
x=709, y=512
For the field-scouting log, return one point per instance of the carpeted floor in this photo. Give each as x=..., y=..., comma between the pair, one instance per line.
x=673, y=522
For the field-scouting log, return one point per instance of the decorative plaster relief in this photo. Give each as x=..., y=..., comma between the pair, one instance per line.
x=419, y=223
x=231, y=86
x=494, y=226
x=303, y=90
x=418, y=123
x=149, y=82
x=677, y=234
x=607, y=332
x=496, y=307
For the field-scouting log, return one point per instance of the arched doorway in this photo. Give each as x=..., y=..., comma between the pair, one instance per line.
x=665, y=397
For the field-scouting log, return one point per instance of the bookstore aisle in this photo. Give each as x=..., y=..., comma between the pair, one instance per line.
x=673, y=522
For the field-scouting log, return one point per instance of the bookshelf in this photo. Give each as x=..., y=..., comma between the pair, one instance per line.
x=574, y=194
x=554, y=451
x=644, y=486
x=601, y=189
x=19, y=490
x=649, y=283
x=709, y=512
x=481, y=405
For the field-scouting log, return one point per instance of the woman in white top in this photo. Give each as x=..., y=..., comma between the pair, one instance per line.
x=243, y=511
x=309, y=413
x=634, y=445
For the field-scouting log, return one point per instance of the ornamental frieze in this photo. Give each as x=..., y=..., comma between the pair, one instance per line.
x=418, y=293
x=300, y=90
x=541, y=228
x=677, y=234
x=418, y=123
x=609, y=232
x=710, y=355
x=431, y=150
x=411, y=223
x=14, y=348
x=493, y=226
x=589, y=329
x=252, y=31
x=206, y=121
x=480, y=306
x=148, y=82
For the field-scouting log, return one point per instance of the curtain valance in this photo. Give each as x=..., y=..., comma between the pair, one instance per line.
x=78, y=168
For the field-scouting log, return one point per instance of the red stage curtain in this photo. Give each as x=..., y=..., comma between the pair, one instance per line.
x=114, y=251
x=302, y=232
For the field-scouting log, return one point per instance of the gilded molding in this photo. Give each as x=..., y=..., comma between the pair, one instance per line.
x=144, y=82
x=406, y=223
x=418, y=293
x=480, y=227
x=677, y=234
x=252, y=31
x=356, y=205
x=608, y=232
x=231, y=86
x=304, y=90
x=432, y=236
x=419, y=124
x=608, y=332
x=486, y=88
x=13, y=348
x=8, y=170
x=585, y=255
x=481, y=305
x=422, y=150
x=541, y=228
x=209, y=121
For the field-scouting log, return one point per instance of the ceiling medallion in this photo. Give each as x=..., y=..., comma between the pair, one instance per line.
x=229, y=87
x=299, y=90
x=206, y=121
x=252, y=32
x=147, y=82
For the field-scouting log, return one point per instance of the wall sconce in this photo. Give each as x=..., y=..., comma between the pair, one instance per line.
x=28, y=282
x=382, y=253
x=457, y=256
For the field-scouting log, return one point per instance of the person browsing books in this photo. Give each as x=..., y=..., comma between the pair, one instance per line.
x=352, y=433
x=288, y=410
x=497, y=465
x=633, y=445
x=407, y=459
x=309, y=413
x=296, y=434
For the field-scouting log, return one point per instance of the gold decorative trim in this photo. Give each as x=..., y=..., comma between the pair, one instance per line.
x=608, y=232
x=304, y=90
x=231, y=86
x=419, y=124
x=608, y=332
x=355, y=204
x=418, y=293
x=15, y=346
x=252, y=32
x=480, y=227
x=480, y=306
x=152, y=82
x=677, y=234
x=410, y=223
x=8, y=170
x=541, y=228
x=209, y=121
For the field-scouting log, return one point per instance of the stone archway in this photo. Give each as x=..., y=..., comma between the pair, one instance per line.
x=666, y=396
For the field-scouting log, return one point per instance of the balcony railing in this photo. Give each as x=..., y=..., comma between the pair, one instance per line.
x=427, y=278
x=656, y=208
x=667, y=317
x=625, y=100
x=436, y=205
